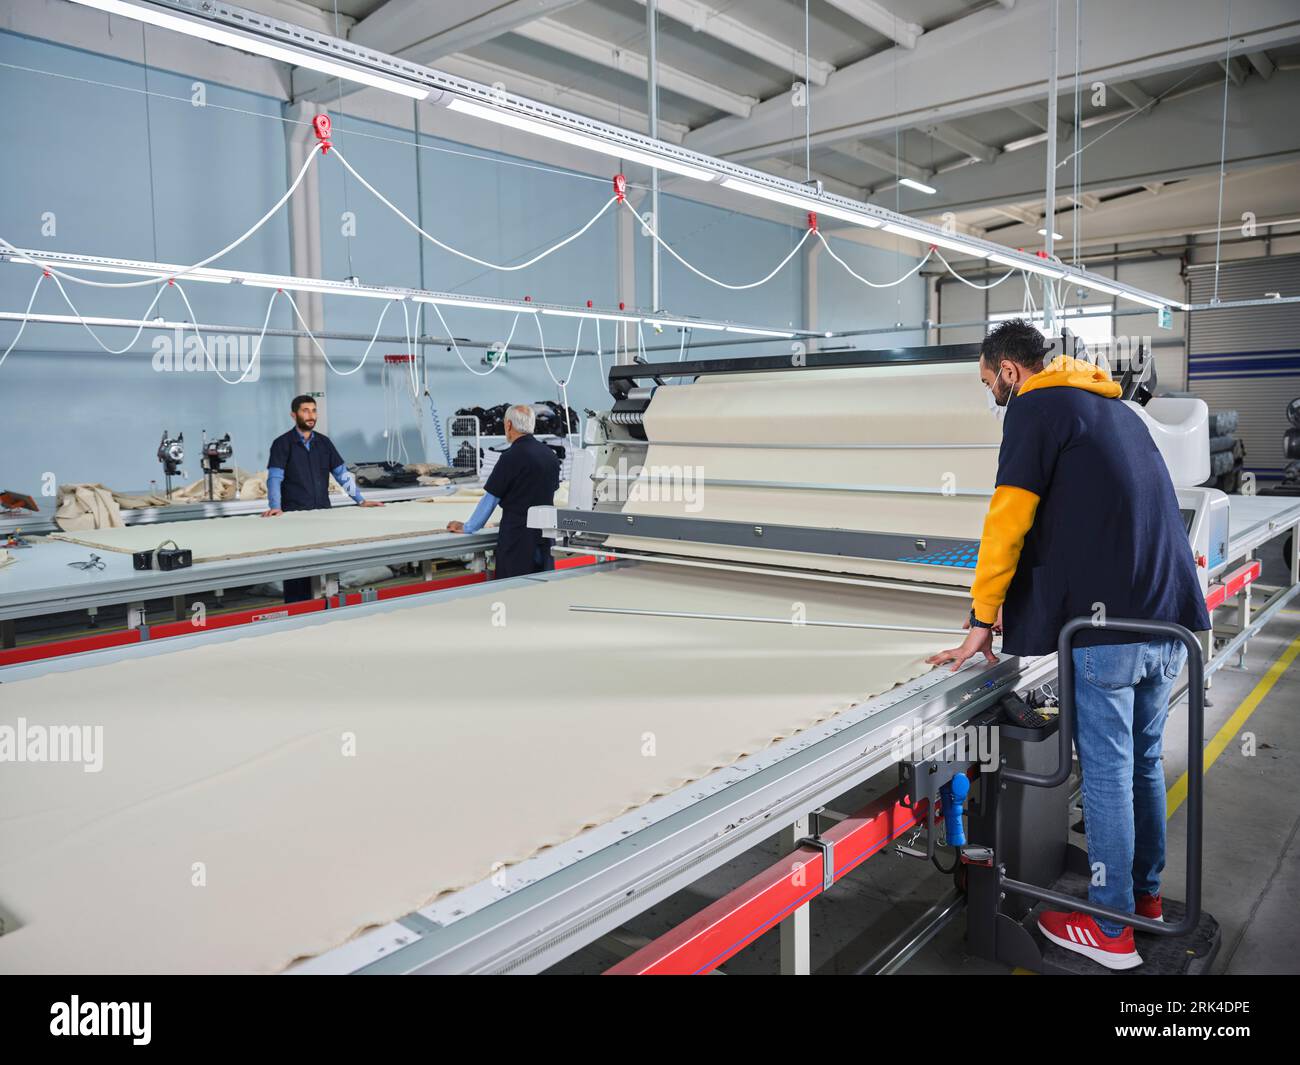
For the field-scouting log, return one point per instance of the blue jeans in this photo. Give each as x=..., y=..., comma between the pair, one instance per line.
x=1121, y=696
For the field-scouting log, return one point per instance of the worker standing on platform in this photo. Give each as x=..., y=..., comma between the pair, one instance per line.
x=1084, y=521
x=298, y=477
x=526, y=475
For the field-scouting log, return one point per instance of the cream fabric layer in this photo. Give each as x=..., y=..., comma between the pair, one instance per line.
x=901, y=407
x=475, y=744
x=213, y=539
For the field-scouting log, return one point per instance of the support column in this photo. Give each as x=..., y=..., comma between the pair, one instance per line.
x=305, y=256
x=626, y=240
x=652, y=111
x=1049, y=202
x=811, y=299
x=796, y=938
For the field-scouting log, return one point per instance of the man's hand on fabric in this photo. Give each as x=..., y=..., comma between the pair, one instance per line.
x=456, y=526
x=980, y=641
x=370, y=503
x=274, y=512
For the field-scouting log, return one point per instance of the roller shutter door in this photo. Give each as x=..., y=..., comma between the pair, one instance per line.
x=1248, y=359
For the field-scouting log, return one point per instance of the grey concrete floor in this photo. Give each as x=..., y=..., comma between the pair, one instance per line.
x=1251, y=874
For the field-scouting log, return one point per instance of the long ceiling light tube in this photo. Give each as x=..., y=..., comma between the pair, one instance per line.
x=224, y=23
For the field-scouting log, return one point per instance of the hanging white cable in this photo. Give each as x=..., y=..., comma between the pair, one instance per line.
x=22, y=326
x=938, y=254
x=888, y=284
x=600, y=356
x=700, y=273
x=681, y=348
x=456, y=348
x=558, y=382
x=311, y=157
x=315, y=343
x=207, y=356
x=456, y=251
x=144, y=318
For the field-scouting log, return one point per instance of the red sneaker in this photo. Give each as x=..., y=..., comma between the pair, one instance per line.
x=1079, y=932
x=1149, y=906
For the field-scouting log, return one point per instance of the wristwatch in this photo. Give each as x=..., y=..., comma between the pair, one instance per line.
x=975, y=622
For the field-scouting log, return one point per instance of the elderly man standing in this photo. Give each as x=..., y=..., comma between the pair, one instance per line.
x=526, y=475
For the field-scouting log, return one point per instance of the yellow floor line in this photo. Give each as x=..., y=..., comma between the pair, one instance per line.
x=1178, y=793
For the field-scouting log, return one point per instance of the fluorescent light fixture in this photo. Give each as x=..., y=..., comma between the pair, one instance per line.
x=684, y=324
x=942, y=239
x=920, y=186
x=163, y=271
x=483, y=305
x=1089, y=282
x=1157, y=303
x=248, y=42
x=1038, y=266
x=603, y=316
x=1055, y=235
x=759, y=332
x=803, y=203
x=580, y=140
x=329, y=288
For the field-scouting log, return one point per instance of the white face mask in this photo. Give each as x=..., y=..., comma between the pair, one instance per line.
x=999, y=411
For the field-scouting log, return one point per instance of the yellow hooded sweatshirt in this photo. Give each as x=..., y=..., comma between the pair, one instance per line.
x=1011, y=510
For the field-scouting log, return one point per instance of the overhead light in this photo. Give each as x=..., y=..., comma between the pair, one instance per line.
x=248, y=42
x=602, y=315
x=685, y=325
x=1157, y=303
x=483, y=305
x=1087, y=281
x=580, y=140
x=942, y=239
x=1055, y=235
x=803, y=203
x=1036, y=266
x=920, y=186
x=759, y=332
x=130, y=267
x=334, y=288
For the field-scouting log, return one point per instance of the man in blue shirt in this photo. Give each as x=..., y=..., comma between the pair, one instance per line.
x=298, y=474
x=1084, y=521
x=526, y=475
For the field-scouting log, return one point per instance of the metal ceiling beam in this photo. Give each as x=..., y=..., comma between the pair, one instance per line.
x=1024, y=215
x=948, y=75
x=424, y=32
x=882, y=20
x=575, y=42
x=885, y=161
x=1263, y=64
x=1036, y=114
x=725, y=27
x=1162, y=144
x=549, y=92
x=949, y=134
x=1237, y=69
x=1133, y=94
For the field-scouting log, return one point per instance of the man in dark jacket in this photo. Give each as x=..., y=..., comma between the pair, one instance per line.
x=526, y=475
x=1084, y=521
x=298, y=477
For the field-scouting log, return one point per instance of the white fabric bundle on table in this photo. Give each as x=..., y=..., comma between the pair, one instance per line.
x=213, y=539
